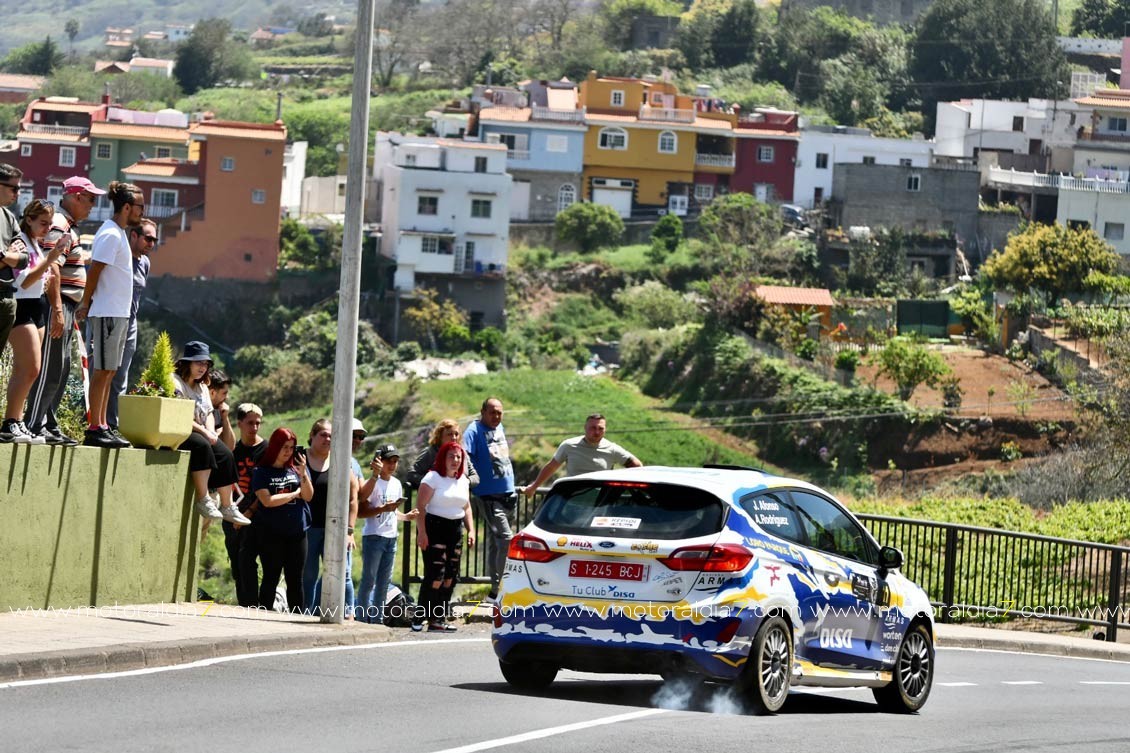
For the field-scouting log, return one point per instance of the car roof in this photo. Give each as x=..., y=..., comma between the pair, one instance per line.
x=722, y=482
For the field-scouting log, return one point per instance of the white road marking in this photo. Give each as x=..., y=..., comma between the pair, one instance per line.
x=1021, y=682
x=551, y=731
x=957, y=684
x=1103, y=682
x=1030, y=653
x=236, y=657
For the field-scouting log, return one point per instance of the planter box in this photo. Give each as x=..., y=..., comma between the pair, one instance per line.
x=155, y=421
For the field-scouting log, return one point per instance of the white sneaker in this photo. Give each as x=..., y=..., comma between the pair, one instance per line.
x=207, y=508
x=32, y=438
x=232, y=514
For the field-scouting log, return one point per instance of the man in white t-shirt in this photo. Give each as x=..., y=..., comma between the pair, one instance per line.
x=587, y=453
x=380, y=532
x=106, y=300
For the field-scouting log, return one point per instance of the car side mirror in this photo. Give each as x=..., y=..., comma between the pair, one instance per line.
x=890, y=558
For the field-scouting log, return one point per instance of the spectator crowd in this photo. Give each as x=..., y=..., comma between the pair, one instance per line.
x=272, y=493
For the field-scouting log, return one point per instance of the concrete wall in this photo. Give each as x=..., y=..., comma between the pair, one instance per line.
x=877, y=196
x=95, y=527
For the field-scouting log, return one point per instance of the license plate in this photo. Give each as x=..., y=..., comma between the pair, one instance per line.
x=606, y=570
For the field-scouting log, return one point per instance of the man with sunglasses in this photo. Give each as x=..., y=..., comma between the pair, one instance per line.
x=142, y=241
x=64, y=291
x=9, y=263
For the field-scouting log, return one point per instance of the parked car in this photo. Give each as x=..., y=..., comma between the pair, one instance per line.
x=794, y=216
x=713, y=574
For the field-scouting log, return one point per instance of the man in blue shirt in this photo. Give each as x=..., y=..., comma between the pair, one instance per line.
x=486, y=445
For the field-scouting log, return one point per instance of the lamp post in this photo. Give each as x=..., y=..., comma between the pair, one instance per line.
x=345, y=362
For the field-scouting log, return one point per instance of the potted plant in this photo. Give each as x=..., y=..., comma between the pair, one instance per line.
x=151, y=415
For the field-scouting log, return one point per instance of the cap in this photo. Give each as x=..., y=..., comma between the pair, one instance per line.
x=358, y=426
x=196, y=351
x=79, y=184
x=387, y=451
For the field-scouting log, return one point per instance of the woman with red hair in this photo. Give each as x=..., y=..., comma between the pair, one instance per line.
x=283, y=489
x=444, y=502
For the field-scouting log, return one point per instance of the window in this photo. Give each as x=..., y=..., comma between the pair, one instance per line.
x=613, y=138
x=469, y=255
x=1079, y=224
x=25, y=150
x=764, y=154
x=103, y=151
x=510, y=139
x=829, y=529
x=66, y=156
x=1017, y=123
x=409, y=160
x=557, y=144
x=431, y=244
x=914, y=182
x=703, y=191
x=869, y=160
x=817, y=195
x=54, y=194
x=821, y=161
x=428, y=205
x=480, y=208
x=1117, y=124
x=341, y=189
x=566, y=196
x=163, y=197
x=775, y=515
x=227, y=164
x=480, y=164
x=668, y=143
x=164, y=152
x=1114, y=231
x=258, y=196
x=656, y=99
x=617, y=98
x=905, y=162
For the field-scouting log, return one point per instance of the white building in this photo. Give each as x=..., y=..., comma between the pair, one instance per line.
x=323, y=196
x=1043, y=130
x=821, y=148
x=445, y=219
x=294, y=172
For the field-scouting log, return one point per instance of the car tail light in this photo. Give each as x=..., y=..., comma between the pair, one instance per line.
x=720, y=558
x=529, y=548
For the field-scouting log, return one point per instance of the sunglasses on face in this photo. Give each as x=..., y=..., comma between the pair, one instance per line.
x=14, y=187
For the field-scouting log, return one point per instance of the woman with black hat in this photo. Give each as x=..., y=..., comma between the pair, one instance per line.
x=210, y=462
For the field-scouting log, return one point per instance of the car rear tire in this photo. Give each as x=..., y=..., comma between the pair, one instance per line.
x=913, y=674
x=765, y=680
x=528, y=675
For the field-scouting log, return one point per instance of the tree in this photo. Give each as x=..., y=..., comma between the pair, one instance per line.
x=879, y=265
x=667, y=233
x=590, y=226
x=736, y=37
x=315, y=26
x=910, y=365
x=297, y=245
x=432, y=317
x=739, y=229
x=209, y=56
x=695, y=34
x=619, y=15
x=550, y=17
x=71, y=29
x=1104, y=19
x=1053, y=259
x=1005, y=49
x=35, y=59
x=395, y=29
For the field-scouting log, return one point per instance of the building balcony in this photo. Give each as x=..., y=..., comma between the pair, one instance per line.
x=1105, y=136
x=55, y=130
x=1056, y=182
x=667, y=114
x=539, y=112
x=518, y=155
x=715, y=160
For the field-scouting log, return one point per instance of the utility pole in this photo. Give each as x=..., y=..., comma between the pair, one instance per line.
x=345, y=363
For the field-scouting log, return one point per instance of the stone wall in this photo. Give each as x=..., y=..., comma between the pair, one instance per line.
x=91, y=527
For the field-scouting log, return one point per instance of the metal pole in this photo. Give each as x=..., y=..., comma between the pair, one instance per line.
x=345, y=364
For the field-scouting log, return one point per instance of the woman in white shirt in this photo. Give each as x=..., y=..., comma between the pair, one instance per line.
x=445, y=507
x=210, y=462
x=26, y=337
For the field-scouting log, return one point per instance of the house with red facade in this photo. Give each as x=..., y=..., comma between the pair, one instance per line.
x=54, y=139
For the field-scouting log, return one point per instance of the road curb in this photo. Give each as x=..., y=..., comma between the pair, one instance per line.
x=1101, y=649
x=134, y=656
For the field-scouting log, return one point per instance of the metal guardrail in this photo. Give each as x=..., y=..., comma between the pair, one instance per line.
x=968, y=572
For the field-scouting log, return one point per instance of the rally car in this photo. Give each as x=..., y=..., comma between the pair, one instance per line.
x=717, y=574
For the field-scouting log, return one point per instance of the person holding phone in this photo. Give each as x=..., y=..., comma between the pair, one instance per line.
x=383, y=494
x=283, y=490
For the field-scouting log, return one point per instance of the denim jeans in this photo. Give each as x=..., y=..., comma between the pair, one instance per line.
x=378, y=553
x=311, y=577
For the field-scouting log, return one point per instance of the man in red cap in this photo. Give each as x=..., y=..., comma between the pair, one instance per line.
x=64, y=291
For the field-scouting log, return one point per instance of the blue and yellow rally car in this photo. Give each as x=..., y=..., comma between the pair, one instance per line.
x=720, y=574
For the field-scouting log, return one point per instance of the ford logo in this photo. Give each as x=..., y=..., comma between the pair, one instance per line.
x=606, y=544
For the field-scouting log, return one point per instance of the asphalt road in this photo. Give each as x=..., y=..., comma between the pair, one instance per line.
x=426, y=694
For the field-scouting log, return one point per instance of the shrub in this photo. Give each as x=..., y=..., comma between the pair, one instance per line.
x=251, y=361
x=157, y=379
x=952, y=393
x=667, y=233
x=655, y=305
x=847, y=360
x=1010, y=451
x=409, y=350
x=294, y=386
x=910, y=365
x=807, y=349
x=590, y=226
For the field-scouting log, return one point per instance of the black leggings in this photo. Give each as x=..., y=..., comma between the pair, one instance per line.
x=281, y=554
x=216, y=458
x=441, y=565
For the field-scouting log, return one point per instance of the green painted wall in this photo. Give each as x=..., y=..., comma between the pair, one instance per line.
x=123, y=153
x=85, y=526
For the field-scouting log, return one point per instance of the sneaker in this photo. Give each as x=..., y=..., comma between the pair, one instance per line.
x=441, y=627
x=207, y=508
x=117, y=435
x=417, y=627
x=10, y=430
x=232, y=514
x=101, y=437
x=490, y=599
x=32, y=438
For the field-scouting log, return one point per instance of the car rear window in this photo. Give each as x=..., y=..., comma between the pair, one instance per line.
x=630, y=510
